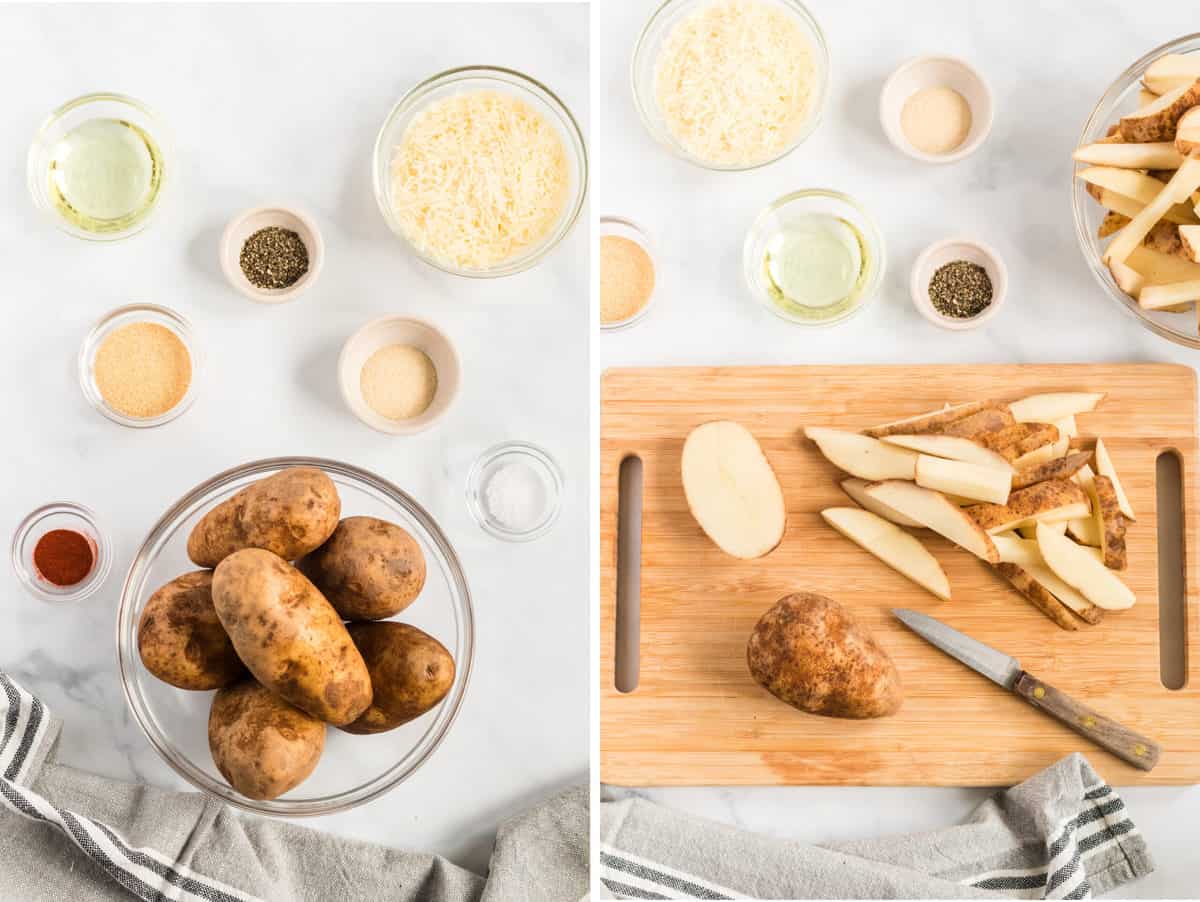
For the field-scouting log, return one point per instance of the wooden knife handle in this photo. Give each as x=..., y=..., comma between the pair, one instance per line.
x=1127, y=745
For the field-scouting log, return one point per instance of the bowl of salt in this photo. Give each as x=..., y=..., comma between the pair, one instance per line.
x=514, y=491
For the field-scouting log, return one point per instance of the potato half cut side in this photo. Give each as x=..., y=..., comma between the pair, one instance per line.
x=863, y=456
x=903, y=553
x=731, y=489
x=856, y=489
x=936, y=512
x=1080, y=568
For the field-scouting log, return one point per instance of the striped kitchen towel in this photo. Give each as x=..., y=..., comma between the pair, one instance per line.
x=67, y=835
x=1062, y=834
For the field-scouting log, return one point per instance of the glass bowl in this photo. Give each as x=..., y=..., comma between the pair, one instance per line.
x=353, y=769
x=71, y=115
x=789, y=208
x=123, y=316
x=544, y=467
x=627, y=228
x=491, y=78
x=645, y=60
x=1118, y=100
x=60, y=515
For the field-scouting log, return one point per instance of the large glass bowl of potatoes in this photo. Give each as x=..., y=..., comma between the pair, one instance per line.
x=268, y=692
x=1116, y=175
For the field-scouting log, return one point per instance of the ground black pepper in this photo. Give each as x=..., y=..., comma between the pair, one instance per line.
x=274, y=258
x=960, y=289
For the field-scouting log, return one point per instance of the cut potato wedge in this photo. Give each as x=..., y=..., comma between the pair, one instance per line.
x=1179, y=189
x=855, y=488
x=1131, y=183
x=1016, y=550
x=1159, y=269
x=1030, y=531
x=1059, y=468
x=731, y=489
x=1043, y=455
x=1159, y=155
x=1038, y=595
x=984, y=422
x=936, y=512
x=1128, y=279
x=1067, y=426
x=967, y=480
x=951, y=447
x=892, y=545
x=1019, y=438
x=1122, y=205
x=1111, y=523
x=1170, y=71
x=1158, y=297
x=1053, y=406
x=863, y=456
x=1158, y=121
x=1112, y=223
x=1065, y=593
x=926, y=422
x=1085, y=531
x=1079, y=568
x=1189, y=237
x=1055, y=500
x=1105, y=467
x=1187, y=132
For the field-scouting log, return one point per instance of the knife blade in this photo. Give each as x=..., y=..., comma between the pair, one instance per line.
x=1005, y=670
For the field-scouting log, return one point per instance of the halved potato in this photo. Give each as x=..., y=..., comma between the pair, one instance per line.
x=1104, y=467
x=892, y=545
x=951, y=447
x=863, y=456
x=936, y=512
x=966, y=480
x=731, y=489
x=856, y=489
x=1078, y=567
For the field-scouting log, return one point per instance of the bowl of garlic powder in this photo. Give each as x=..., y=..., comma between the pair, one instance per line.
x=399, y=375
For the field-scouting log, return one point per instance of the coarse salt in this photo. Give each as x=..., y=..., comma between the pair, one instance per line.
x=516, y=497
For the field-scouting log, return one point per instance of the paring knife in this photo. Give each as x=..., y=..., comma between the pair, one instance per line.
x=1127, y=745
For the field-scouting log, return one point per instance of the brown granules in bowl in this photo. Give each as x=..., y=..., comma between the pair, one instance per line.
x=626, y=279
x=142, y=370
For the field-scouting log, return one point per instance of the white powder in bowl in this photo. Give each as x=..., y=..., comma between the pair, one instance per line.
x=398, y=382
x=516, y=497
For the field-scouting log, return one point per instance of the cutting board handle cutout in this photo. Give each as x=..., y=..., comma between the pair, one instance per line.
x=627, y=651
x=1172, y=616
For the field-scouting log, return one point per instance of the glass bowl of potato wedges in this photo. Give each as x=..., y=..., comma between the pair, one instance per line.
x=295, y=636
x=1136, y=190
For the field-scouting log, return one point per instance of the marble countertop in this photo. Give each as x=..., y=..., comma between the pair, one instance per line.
x=271, y=103
x=1047, y=64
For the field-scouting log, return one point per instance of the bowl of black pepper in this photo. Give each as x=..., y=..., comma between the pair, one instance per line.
x=958, y=283
x=272, y=254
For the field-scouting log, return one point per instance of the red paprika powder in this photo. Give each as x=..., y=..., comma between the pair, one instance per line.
x=64, y=557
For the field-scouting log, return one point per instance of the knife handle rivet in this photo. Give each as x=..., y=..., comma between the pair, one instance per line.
x=1140, y=750
x=1088, y=721
x=1039, y=692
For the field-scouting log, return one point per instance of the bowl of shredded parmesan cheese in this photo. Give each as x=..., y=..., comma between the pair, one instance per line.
x=482, y=170
x=731, y=84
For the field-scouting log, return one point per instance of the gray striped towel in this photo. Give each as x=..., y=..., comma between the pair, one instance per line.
x=68, y=835
x=1062, y=834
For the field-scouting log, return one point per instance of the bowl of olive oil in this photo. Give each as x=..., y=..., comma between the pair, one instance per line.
x=814, y=257
x=97, y=166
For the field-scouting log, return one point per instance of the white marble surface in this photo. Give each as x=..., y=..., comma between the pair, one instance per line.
x=283, y=102
x=1047, y=63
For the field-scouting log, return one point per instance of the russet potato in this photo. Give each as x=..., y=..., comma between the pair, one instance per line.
x=181, y=640
x=410, y=673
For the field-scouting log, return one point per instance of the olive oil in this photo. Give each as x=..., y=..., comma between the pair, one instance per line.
x=105, y=175
x=816, y=267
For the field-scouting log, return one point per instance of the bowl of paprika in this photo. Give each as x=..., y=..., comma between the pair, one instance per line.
x=60, y=553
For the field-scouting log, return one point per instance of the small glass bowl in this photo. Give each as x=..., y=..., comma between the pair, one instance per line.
x=1121, y=99
x=489, y=462
x=104, y=105
x=477, y=78
x=122, y=316
x=645, y=61
x=801, y=203
x=627, y=228
x=60, y=515
x=353, y=770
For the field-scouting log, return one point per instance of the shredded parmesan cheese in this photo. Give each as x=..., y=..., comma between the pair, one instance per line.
x=734, y=81
x=478, y=179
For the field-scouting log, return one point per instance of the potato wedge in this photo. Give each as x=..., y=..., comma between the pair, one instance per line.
x=731, y=489
x=1112, y=223
x=1029, y=531
x=1105, y=467
x=1159, y=269
x=1053, y=406
x=1130, y=183
x=1170, y=71
x=1112, y=525
x=1164, y=238
x=903, y=553
x=1078, y=567
x=1025, y=554
x=1128, y=279
x=1058, y=468
x=1178, y=190
x=1159, y=155
x=1038, y=595
x=1129, y=208
x=927, y=422
x=1187, y=132
x=1043, y=454
x=950, y=447
x=855, y=488
x=1085, y=531
x=1158, y=121
x=1160, y=297
x=1189, y=237
x=1020, y=438
x=988, y=420
x=967, y=480
x=862, y=456
x=936, y=512
x=1053, y=500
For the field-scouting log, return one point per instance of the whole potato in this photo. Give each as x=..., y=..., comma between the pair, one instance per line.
x=289, y=513
x=410, y=673
x=262, y=745
x=369, y=569
x=807, y=650
x=180, y=637
x=289, y=636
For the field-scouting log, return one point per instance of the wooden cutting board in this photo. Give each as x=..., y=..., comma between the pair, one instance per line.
x=696, y=716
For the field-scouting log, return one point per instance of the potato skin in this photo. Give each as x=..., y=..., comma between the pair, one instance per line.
x=262, y=745
x=410, y=672
x=289, y=513
x=808, y=651
x=289, y=636
x=181, y=640
x=369, y=569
